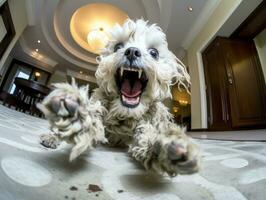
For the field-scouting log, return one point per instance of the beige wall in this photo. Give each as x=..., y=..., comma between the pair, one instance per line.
x=260, y=42
x=208, y=32
x=19, y=17
x=57, y=77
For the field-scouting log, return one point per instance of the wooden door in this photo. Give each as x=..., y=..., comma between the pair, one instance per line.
x=216, y=87
x=246, y=86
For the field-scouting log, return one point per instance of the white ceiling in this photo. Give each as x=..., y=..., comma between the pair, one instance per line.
x=49, y=22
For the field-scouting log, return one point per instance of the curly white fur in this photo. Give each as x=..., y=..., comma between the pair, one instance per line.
x=148, y=130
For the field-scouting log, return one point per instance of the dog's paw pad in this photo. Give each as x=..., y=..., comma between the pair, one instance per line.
x=177, y=153
x=62, y=105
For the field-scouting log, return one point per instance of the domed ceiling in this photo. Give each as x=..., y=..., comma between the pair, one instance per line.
x=63, y=26
x=90, y=23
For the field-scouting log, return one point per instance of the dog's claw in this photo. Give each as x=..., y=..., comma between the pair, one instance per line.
x=49, y=141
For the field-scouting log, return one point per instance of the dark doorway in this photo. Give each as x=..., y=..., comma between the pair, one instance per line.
x=235, y=85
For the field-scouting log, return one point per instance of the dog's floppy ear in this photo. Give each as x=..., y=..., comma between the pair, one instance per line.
x=180, y=75
x=171, y=72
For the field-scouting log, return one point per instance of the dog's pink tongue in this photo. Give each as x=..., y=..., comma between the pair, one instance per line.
x=129, y=91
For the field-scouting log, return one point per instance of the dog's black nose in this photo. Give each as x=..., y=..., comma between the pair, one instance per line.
x=132, y=53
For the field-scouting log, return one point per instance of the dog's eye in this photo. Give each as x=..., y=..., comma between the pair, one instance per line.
x=118, y=46
x=154, y=53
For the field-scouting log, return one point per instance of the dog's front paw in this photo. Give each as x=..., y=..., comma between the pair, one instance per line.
x=66, y=109
x=63, y=105
x=60, y=107
x=176, y=154
x=49, y=141
x=183, y=160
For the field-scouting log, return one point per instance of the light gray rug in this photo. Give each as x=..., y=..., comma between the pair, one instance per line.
x=28, y=171
x=258, y=135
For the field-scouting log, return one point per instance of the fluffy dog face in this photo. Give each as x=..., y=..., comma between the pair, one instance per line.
x=136, y=67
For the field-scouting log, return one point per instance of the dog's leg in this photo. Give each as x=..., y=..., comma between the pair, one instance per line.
x=168, y=150
x=73, y=118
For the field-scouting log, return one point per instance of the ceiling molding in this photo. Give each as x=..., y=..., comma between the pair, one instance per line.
x=36, y=63
x=54, y=46
x=202, y=19
x=36, y=55
x=84, y=77
x=65, y=42
x=241, y=14
x=52, y=26
x=30, y=4
x=60, y=73
x=51, y=19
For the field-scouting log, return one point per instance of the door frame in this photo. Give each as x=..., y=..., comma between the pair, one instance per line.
x=252, y=25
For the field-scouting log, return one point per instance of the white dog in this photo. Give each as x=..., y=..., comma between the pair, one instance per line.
x=134, y=75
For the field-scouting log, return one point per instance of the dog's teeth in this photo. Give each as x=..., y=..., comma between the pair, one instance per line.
x=121, y=71
x=140, y=72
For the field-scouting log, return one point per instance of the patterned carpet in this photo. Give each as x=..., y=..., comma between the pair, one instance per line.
x=28, y=171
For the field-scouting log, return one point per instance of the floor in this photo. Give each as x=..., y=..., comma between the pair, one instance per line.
x=231, y=170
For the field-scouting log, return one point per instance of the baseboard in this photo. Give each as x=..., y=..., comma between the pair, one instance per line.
x=257, y=127
x=199, y=130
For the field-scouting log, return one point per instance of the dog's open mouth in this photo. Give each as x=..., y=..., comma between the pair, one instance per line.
x=131, y=83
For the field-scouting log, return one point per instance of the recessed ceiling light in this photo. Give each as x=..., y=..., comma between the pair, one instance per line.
x=81, y=72
x=189, y=8
x=36, y=50
x=39, y=41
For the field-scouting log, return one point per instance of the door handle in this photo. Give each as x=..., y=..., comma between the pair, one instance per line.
x=230, y=78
